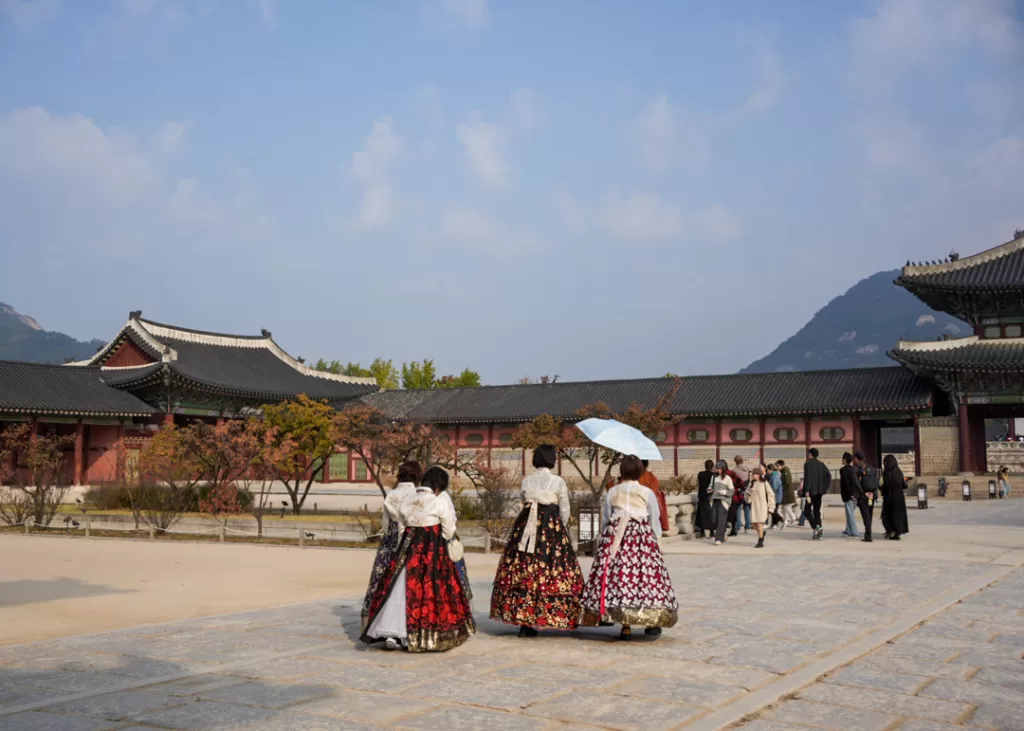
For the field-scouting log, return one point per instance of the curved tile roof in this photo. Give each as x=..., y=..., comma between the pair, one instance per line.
x=998, y=269
x=33, y=388
x=759, y=394
x=969, y=353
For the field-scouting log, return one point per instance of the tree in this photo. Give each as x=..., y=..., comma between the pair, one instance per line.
x=582, y=454
x=383, y=444
x=466, y=379
x=210, y=449
x=32, y=467
x=221, y=502
x=255, y=450
x=169, y=473
x=382, y=371
x=309, y=426
x=545, y=380
x=419, y=375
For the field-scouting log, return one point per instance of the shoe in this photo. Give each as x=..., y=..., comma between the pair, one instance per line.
x=653, y=631
x=760, y=543
x=867, y=538
x=820, y=533
x=525, y=631
x=392, y=644
x=746, y=530
x=895, y=538
x=605, y=623
x=848, y=533
x=718, y=543
x=626, y=633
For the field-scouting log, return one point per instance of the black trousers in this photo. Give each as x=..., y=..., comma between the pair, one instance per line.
x=812, y=509
x=867, y=512
x=719, y=517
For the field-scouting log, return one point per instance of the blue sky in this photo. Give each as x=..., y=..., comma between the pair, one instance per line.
x=587, y=188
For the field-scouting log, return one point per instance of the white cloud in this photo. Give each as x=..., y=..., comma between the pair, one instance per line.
x=719, y=222
x=371, y=168
x=770, y=78
x=268, y=11
x=84, y=186
x=26, y=14
x=428, y=100
x=470, y=14
x=904, y=36
x=640, y=216
x=475, y=230
x=573, y=213
x=526, y=112
x=665, y=136
x=483, y=144
x=171, y=136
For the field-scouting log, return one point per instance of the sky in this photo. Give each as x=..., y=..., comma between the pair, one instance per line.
x=586, y=188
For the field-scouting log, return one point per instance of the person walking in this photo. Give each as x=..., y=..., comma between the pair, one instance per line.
x=761, y=498
x=867, y=478
x=629, y=582
x=538, y=582
x=721, y=491
x=1004, y=482
x=775, y=480
x=740, y=478
x=894, y=509
x=409, y=474
x=817, y=480
x=703, y=523
x=649, y=480
x=788, y=494
x=849, y=491
x=420, y=605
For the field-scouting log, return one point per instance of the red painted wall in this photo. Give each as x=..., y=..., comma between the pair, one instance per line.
x=128, y=354
x=101, y=459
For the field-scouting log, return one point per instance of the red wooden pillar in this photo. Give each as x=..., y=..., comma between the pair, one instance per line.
x=965, y=437
x=675, y=451
x=490, y=442
x=120, y=455
x=718, y=440
x=760, y=448
x=917, y=446
x=79, y=453
x=856, y=433
x=807, y=433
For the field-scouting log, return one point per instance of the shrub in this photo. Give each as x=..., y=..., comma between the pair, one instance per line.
x=108, y=496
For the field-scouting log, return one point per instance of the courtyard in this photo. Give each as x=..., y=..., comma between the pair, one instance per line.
x=927, y=633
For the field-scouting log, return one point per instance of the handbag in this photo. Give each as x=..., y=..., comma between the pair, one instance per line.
x=455, y=549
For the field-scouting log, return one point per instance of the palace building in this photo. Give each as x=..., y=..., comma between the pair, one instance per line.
x=930, y=408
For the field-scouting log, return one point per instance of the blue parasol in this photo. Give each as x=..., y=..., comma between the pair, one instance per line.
x=619, y=437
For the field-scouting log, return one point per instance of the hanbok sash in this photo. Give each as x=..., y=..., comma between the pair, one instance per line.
x=528, y=541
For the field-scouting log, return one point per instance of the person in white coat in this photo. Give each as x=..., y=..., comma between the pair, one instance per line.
x=761, y=497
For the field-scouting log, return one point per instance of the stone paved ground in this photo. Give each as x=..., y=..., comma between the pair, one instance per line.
x=752, y=625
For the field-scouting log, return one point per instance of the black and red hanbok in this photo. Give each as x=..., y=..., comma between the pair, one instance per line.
x=538, y=582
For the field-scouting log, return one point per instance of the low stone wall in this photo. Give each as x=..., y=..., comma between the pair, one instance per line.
x=681, y=510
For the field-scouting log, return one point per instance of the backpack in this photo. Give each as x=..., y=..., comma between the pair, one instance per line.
x=869, y=479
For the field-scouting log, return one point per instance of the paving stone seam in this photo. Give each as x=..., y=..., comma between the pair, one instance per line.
x=790, y=683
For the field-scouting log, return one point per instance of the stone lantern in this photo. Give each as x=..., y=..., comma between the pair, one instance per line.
x=922, y=497
x=991, y=489
x=966, y=488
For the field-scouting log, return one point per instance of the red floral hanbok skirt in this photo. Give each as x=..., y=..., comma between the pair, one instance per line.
x=633, y=586
x=438, y=613
x=539, y=589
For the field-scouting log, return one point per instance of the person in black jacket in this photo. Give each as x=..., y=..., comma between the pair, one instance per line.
x=817, y=480
x=703, y=520
x=849, y=490
x=867, y=476
x=894, y=507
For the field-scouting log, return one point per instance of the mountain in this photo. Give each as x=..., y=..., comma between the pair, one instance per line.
x=21, y=338
x=857, y=328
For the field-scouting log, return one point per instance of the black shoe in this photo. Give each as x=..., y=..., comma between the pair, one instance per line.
x=525, y=631
x=866, y=538
x=653, y=631
x=895, y=538
x=605, y=623
x=760, y=543
x=626, y=634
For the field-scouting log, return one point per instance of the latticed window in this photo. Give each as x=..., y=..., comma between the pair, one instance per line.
x=474, y=440
x=339, y=466
x=131, y=465
x=785, y=435
x=505, y=439
x=832, y=433
x=361, y=473
x=697, y=435
x=741, y=435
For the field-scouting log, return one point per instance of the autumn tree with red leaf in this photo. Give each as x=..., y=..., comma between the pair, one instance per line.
x=308, y=426
x=33, y=474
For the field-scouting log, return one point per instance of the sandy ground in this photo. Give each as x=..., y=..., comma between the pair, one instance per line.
x=55, y=587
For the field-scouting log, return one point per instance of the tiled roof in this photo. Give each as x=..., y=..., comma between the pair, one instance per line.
x=234, y=365
x=759, y=394
x=998, y=269
x=970, y=353
x=32, y=388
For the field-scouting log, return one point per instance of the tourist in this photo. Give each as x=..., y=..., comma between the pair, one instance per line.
x=849, y=492
x=867, y=478
x=539, y=582
x=703, y=521
x=788, y=494
x=409, y=474
x=629, y=583
x=721, y=491
x=775, y=480
x=437, y=475
x=817, y=480
x=649, y=480
x=761, y=498
x=420, y=605
x=1004, y=482
x=894, y=507
x=740, y=478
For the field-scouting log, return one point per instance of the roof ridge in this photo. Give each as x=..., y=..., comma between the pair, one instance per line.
x=49, y=365
x=193, y=331
x=982, y=257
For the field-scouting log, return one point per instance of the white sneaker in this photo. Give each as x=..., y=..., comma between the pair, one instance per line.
x=718, y=543
x=392, y=644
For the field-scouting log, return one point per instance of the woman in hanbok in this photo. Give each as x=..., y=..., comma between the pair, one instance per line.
x=538, y=582
x=420, y=605
x=409, y=474
x=629, y=583
x=437, y=477
x=894, y=500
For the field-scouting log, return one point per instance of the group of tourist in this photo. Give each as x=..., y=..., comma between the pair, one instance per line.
x=419, y=597
x=765, y=497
